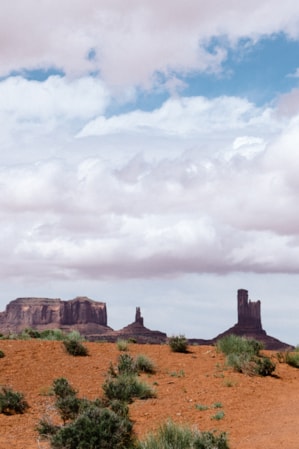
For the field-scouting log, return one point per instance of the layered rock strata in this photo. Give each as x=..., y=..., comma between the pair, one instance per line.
x=135, y=331
x=82, y=314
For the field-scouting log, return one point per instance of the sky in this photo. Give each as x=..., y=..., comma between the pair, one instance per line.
x=149, y=156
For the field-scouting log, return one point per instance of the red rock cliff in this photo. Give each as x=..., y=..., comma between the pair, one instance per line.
x=81, y=313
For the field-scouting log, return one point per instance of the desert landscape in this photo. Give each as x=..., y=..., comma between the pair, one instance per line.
x=256, y=412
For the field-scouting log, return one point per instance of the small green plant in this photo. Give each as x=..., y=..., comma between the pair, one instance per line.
x=28, y=333
x=144, y=364
x=217, y=405
x=75, y=347
x=243, y=355
x=218, y=416
x=201, y=407
x=12, y=402
x=52, y=334
x=233, y=344
x=180, y=373
x=126, y=388
x=122, y=345
x=62, y=388
x=46, y=428
x=229, y=383
x=292, y=358
x=1, y=354
x=173, y=436
x=126, y=365
x=95, y=428
x=178, y=343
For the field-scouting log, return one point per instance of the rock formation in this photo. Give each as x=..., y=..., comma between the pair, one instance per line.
x=82, y=314
x=249, y=325
x=135, y=331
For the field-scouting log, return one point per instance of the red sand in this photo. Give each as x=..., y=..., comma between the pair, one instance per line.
x=259, y=412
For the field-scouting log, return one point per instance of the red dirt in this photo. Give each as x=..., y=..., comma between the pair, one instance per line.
x=259, y=412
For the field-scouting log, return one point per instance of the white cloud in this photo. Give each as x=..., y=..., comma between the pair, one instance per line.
x=132, y=40
x=55, y=98
x=185, y=117
x=151, y=215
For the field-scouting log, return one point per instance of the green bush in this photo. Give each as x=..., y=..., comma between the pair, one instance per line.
x=119, y=407
x=292, y=358
x=122, y=345
x=75, y=347
x=126, y=388
x=233, y=344
x=173, y=436
x=68, y=407
x=243, y=355
x=144, y=365
x=1, y=354
x=93, y=429
x=12, y=402
x=264, y=366
x=126, y=365
x=46, y=428
x=29, y=333
x=218, y=416
x=178, y=343
x=62, y=388
x=52, y=334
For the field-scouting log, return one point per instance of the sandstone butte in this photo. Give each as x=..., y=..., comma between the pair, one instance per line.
x=89, y=317
x=258, y=412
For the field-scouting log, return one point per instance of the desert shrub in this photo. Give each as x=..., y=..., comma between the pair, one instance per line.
x=87, y=424
x=178, y=343
x=264, y=366
x=126, y=365
x=122, y=345
x=292, y=358
x=126, y=388
x=62, y=388
x=12, y=402
x=144, y=364
x=132, y=340
x=119, y=407
x=1, y=354
x=68, y=407
x=29, y=333
x=173, y=436
x=242, y=363
x=52, y=334
x=218, y=416
x=233, y=344
x=243, y=355
x=93, y=429
x=75, y=347
x=46, y=428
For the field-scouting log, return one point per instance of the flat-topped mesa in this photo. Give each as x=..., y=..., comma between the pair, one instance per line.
x=249, y=312
x=82, y=314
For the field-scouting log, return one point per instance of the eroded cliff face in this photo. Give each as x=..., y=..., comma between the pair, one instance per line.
x=81, y=313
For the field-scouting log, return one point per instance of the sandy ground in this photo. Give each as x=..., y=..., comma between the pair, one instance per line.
x=258, y=412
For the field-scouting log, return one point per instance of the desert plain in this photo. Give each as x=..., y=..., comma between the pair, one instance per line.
x=192, y=388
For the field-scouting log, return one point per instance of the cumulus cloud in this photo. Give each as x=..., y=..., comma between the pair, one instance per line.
x=184, y=117
x=143, y=215
x=128, y=41
x=55, y=98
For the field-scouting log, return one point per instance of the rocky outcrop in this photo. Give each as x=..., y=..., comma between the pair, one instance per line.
x=249, y=325
x=135, y=331
x=82, y=314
